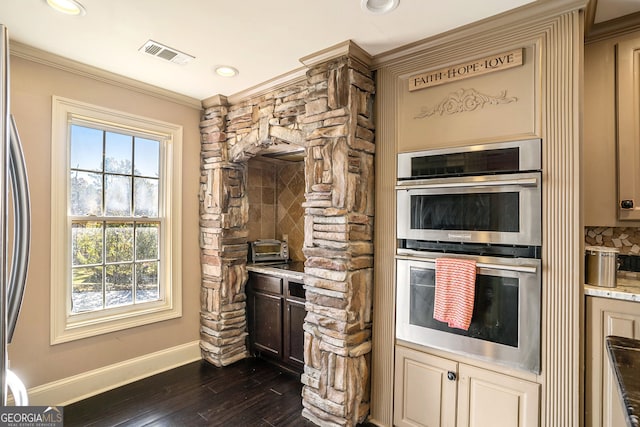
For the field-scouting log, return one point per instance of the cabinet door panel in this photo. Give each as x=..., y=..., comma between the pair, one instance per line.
x=267, y=325
x=628, y=91
x=294, y=333
x=490, y=399
x=424, y=396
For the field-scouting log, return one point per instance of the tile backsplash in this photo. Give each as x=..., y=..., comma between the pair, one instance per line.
x=276, y=194
x=261, y=183
x=626, y=239
x=289, y=210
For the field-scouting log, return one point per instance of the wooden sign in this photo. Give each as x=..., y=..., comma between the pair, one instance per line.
x=501, y=61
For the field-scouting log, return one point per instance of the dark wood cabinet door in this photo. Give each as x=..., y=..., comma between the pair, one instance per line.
x=266, y=335
x=294, y=333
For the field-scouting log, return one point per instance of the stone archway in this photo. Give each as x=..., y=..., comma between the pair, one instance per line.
x=330, y=113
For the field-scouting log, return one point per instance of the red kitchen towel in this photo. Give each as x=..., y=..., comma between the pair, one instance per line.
x=455, y=292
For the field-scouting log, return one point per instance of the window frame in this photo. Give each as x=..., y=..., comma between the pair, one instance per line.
x=66, y=326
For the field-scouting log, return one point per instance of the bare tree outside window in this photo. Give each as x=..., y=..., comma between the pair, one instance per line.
x=114, y=185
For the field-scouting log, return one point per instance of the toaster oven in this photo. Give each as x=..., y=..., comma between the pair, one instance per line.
x=268, y=250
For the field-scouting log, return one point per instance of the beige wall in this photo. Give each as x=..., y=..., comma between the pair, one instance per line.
x=31, y=356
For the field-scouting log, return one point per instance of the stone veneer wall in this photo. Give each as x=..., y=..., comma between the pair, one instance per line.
x=331, y=115
x=339, y=243
x=627, y=239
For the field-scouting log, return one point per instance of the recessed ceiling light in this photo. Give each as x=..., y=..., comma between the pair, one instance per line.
x=226, y=71
x=379, y=6
x=70, y=7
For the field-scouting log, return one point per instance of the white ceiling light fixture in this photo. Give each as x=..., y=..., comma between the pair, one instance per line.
x=69, y=7
x=379, y=7
x=226, y=71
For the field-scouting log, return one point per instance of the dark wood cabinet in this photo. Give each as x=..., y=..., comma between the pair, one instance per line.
x=276, y=312
x=267, y=330
x=294, y=325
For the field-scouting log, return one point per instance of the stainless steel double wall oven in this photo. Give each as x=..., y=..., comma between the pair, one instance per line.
x=480, y=202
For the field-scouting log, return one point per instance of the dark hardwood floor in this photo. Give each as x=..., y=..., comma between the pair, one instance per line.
x=251, y=392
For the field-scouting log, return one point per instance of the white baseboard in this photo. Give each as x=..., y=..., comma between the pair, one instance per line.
x=78, y=387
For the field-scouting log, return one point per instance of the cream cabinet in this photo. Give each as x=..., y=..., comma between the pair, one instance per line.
x=434, y=391
x=611, y=132
x=606, y=317
x=628, y=110
x=425, y=389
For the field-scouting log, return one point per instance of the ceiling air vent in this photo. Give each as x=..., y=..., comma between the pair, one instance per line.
x=165, y=52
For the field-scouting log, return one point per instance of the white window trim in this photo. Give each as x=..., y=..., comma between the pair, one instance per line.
x=64, y=326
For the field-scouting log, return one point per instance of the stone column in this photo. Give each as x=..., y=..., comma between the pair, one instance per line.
x=339, y=210
x=223, y=236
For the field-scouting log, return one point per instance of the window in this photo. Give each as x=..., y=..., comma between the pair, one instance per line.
x=116, y=221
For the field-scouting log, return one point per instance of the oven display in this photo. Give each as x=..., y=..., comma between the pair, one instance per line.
x=495, y=312
x=466, y=163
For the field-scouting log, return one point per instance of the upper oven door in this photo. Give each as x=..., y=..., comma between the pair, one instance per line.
x=498, y=209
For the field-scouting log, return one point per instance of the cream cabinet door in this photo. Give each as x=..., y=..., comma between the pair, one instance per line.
x=424, y=393
x=606, y=317
x=628, y=91
x=490, y=399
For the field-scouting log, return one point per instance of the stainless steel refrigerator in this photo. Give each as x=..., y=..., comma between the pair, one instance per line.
x=15, y=210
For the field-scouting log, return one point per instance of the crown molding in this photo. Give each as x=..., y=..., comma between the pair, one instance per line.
x=537, y=11
x=33, y=54
x=292, y=77
x=613, y=28
x=346, y=48
x=215, y=101
x=299, y=75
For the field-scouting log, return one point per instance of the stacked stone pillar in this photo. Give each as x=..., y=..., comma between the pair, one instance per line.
x=338, y=242
x=223, y=248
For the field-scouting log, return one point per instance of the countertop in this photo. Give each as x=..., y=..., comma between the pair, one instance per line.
x=627, y=288
x=624, y=354
x=290, y=270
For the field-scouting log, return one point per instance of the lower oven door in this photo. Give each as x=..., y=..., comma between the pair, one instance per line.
x=505, y=326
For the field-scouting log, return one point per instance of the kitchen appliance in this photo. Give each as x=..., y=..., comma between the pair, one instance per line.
x=268, y=250
x=601, y=266
x=483, y=194
x=479, y=202
x=12, y=168
x=505, y=325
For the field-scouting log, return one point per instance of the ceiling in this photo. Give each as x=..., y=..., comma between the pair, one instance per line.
x=262, y=39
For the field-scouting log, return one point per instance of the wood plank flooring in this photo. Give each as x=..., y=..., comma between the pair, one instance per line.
x=251, y=392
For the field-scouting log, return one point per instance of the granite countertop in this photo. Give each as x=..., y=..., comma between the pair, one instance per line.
x=624, y=354
x=290, y=270
x=627, y=288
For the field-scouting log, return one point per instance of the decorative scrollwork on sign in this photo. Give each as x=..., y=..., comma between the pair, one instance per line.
x=464, y=100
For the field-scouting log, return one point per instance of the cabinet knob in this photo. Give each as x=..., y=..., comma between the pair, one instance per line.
x=451, y=376
x=626, y=204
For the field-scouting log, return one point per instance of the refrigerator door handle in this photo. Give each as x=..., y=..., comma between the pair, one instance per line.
x=22, y=229
x=18, y=390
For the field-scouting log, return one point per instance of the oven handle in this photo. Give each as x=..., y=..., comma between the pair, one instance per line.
x=426, y=184
x=532, y=269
